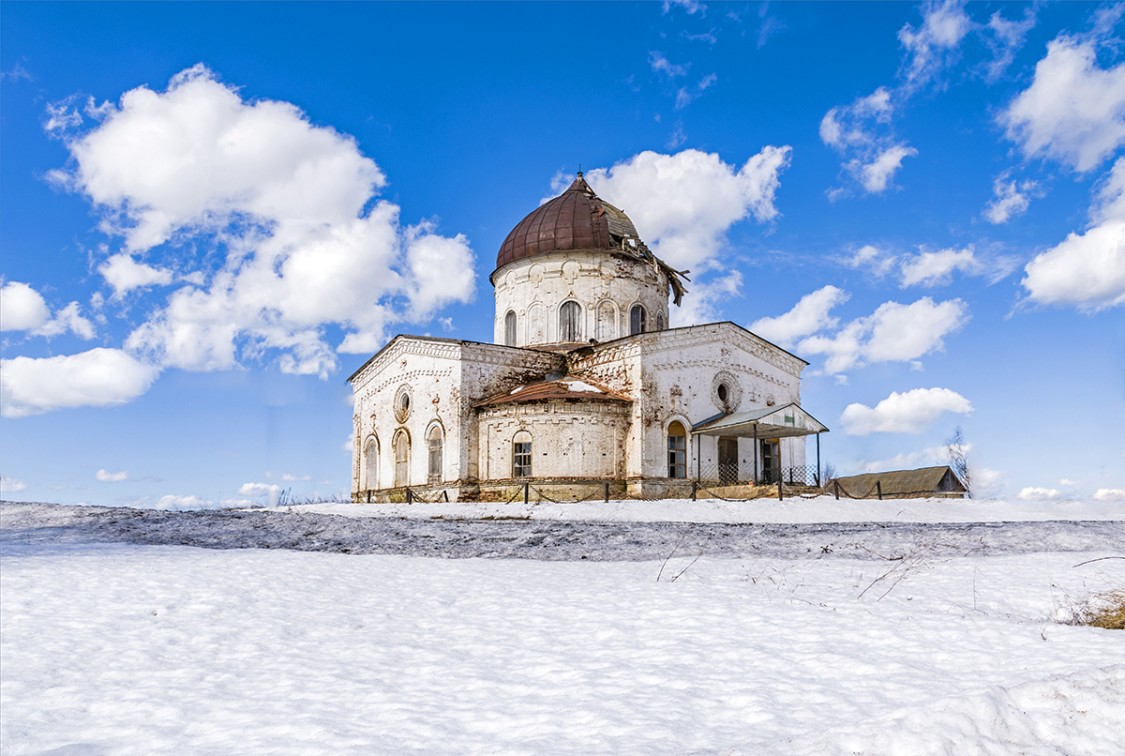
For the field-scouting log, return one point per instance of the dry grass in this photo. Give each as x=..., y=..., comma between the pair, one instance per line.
x=1106, y=611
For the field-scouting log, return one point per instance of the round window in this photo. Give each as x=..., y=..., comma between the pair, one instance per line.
x=402, y=404
x=722, y=392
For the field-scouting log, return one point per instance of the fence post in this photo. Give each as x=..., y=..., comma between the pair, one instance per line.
x=779, y=488
x=836, y=485
x=409, y=496
x=526, y=487
x=445, y=495
x=607, y=492
x=879, y=489
x=694, y=489
x=369, y=496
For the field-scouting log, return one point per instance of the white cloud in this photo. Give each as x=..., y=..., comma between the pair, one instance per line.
x=1074, y=110
x=1085, y=270
x=111, y=477
x=875, y=176
x=288, y=204
x=1109, y=204
x=10, y=485
x=872, y=258
x=1067, y=482
x=908, y=412
x=291, y=478
x=683, y=204
x=1036, y=493
x=258, y=489
x=893, y=333
x=67, y=319
x=21, y=308
x=1110, y=494
x=933, y=46
x=686, y=95
x=831, y=130
x=937, y=268
x=662, y=65
x=1011, y=199
x=1004, y=38
x=124, y=274
x=100, y=377
x=810, y=315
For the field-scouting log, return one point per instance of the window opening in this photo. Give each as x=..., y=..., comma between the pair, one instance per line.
x=402, y=459
x=677, y=451
x=433, y=442
x=570, y=325
x=510, y=329
x=521, y=459
x=637, y=317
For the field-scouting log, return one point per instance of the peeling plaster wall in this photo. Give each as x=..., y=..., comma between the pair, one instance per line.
x=568, y=439
x=674, y=375
x=443, y=378
x=605, y=284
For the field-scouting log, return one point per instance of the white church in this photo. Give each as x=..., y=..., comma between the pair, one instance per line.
x=585, y=384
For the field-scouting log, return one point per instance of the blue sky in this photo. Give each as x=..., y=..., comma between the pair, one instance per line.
x=212, y=213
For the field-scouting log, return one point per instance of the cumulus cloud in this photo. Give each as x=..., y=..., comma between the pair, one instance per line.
x=934, y=44
x=908, y=412
x=1110, y=494
x=100, y=377
x=123, y=274
x=1037, y=493
x=893, y=333
x=1085, y=270
x=270, y=221
x=1109, y=204
x=21, y=308
x=1011, y=199
x=811, y=314
x=684, y=204
x=258, y=489
x=1074, y=110
x=111, y=477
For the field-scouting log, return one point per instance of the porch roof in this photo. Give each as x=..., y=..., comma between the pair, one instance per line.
x=769, y=422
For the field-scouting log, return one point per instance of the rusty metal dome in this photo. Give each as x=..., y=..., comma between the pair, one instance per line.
x=576, y=219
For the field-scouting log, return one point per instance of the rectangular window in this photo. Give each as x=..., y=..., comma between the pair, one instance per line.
x=677, y=456
x=521, y=459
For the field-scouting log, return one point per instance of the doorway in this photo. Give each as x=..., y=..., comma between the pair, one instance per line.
x=728, y=460
x=771, y=460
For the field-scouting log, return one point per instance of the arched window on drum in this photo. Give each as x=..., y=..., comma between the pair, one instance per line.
x=637, y=318
x=570, y=322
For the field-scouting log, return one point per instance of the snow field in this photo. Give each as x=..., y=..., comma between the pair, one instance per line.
x=118, y=648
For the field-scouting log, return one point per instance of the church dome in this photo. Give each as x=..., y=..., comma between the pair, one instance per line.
x=576, y=219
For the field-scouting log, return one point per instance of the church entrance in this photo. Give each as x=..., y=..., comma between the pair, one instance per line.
x=771, y=460
x=728, y=460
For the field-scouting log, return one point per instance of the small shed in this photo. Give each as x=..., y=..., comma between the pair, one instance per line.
x=939, y=481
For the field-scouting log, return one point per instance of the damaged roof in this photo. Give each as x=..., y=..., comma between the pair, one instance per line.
x=571, y=389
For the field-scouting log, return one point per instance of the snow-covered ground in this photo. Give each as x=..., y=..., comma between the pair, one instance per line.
x=895, y=637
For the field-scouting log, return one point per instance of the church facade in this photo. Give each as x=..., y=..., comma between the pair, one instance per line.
x=585, y=383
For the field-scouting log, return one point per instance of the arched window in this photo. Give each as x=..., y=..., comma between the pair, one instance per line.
x=677, y=451
x=637, y=317
x=570, y=322
x=660, y=321
x=607, y=322
x=401, y=446
x=433, y=445
x=521, y=455
x=510, y=329
x=371, y=464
